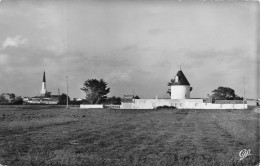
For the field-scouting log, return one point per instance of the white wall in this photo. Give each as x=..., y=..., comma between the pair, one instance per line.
x=50, y=102
x=180, y=92
x=251, y=102
x=153, y=103
x=150, y=103
x=182, y=104
x=91, y=106
x=126, y=106
x=179, y=103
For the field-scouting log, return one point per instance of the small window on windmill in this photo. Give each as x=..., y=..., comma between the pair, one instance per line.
x=176, y=79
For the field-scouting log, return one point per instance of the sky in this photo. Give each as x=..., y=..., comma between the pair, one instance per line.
x=135, y=46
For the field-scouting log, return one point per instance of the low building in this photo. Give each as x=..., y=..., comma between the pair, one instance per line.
x=252, y=102
x=127, y=102
x=42, y=100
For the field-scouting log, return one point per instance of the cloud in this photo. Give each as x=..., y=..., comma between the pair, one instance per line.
x=131, y=46
x=14, y=42
x=52, y=22
x=118, y=76
x=57, y=47
x=155, y=31
x=3, y=59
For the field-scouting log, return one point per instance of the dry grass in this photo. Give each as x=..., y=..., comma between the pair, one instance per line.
x=43, y=136
x=33, y=124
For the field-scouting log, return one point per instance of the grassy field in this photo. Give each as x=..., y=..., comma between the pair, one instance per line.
x=40, y=135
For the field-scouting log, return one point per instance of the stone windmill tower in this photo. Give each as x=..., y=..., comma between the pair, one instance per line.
x=180, y=88
x=43, y=90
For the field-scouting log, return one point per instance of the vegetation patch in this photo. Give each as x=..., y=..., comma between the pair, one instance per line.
x=165, y=107
x=60, y=136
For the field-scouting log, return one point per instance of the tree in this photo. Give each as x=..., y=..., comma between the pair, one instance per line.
x=75, y=102
x=169, y=84
x=112, y=100
x=12, y=96
x=225, y=93
x=18, y=101
x=7, y=97
x=96, y=90
x=63, y=99
x=3, y=98
x=47, y=94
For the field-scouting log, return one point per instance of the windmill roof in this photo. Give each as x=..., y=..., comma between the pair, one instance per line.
x=182, y=80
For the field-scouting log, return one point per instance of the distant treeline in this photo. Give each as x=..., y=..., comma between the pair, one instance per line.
x=11, y=99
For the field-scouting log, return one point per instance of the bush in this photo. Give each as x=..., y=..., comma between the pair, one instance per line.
x=17, y=101
x=165, y=107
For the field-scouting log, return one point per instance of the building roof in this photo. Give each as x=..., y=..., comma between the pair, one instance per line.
x=55, y=96
x=126, y=100
x=181, y=80
x=128, y=96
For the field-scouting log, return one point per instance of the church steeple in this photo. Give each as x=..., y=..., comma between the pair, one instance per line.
x=43, y=90
x=44, y=80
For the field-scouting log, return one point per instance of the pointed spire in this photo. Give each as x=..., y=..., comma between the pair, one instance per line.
x=44, y=80
x=180, y=67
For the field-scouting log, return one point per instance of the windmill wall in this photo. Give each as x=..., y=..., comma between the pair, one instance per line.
x=180, y=92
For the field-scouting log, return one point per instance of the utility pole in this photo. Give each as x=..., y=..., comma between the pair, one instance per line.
x=67, y=93
x=134, y=95
x=244, y=92
x=257, y=78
